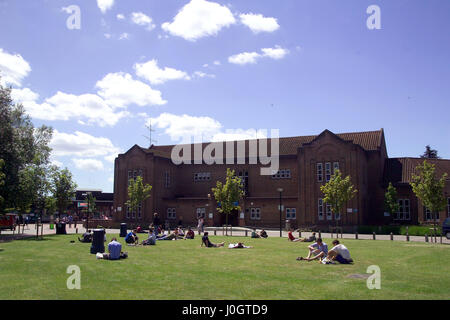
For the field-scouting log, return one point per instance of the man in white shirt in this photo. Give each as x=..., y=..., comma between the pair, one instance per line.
x=339, y=253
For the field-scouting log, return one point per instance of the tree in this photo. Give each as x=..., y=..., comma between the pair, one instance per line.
x=337, y=192
x=137, y=194
x=2, y=180
x=63, y=188
x=429, y=189
x=390, y=200
x=228, y=195
x=430, y=153
x=21, y=145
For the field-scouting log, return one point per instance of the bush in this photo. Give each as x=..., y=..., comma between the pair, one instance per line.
x=399, y=230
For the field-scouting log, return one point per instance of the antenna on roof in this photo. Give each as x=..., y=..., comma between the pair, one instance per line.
x=150, y=130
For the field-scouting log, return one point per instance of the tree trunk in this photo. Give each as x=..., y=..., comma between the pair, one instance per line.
x=226, y=224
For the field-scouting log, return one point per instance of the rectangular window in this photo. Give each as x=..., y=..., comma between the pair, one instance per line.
x=335, y=167
x=171, y=213
x=202, y=176
x=320, y=209
x=128, y=212
x=429, y=216
x=329, y=214
x=282, y=174
x=327, y=171
x=291, y=213
x=139, y=214
x=167, y=179
x=319, y=172
x=400, y=209
x=201, y=213
x=255, y=213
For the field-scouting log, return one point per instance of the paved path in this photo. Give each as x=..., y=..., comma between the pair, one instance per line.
x=237, y=231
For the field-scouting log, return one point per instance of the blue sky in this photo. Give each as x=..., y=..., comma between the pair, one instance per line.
x=300, y=66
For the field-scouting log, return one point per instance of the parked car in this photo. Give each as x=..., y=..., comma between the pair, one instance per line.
x=446, y=228
x=8, y=221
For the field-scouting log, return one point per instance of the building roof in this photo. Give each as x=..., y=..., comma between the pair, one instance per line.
x=401, y=170
x=368, y=140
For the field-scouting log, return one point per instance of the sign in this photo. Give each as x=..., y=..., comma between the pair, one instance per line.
x=241, y=215
x=210, y=215
x=282, y=208
x=349, y=210
x=82, y=205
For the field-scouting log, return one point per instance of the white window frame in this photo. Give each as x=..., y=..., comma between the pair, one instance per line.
x=319, y=170
x=404, y=210
x=320, y=209
x=171, y=213
x=291, y=213
x=255, y=213
x=327, y=171
x=427, y=213
x=202, y=176
x=329, y=214
x=201, y=212
x=282, y=174
x=335, y=166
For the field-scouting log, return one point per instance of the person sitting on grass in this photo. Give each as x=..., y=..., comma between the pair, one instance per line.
x=180, y=232
x=238, y=245
x=86, y=238
x=131, y=237
x=209, y=244
x=338, y=253
x=115, y=251
x=263, y=234
x=255, y=234
x=317, y=250
x=291, y=236
x=151, y=238
x=190, y=234
x=312, y=238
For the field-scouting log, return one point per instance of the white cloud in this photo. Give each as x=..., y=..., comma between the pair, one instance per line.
x=275, y=53
x=63, y=106
x=82, y=145
x=258, y=23
x=177, y=126
x=124, y=36
x=216, y=63
x=187, y=127
x=13, y=69
x=199, y=18
x=200, y=74
x=151, y=72
x=57, y=163
x=142, y=19
x=107, y=35
x=120, y=16
x=88, y=164
x=105, y=5
x=120, y=90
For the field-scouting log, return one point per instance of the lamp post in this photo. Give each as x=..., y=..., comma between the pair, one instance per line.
x=280, y=190
x=87, y=216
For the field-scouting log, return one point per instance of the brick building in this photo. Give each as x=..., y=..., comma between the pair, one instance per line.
x=305, y=163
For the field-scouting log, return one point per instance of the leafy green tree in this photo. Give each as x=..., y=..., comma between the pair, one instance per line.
x=63, y=188
x=390, y=200
x=228, y=195
x=337, y=192
x=21, y=145
x=430, y=153
x=429, y=189
x=137, y=194
x=2, y=180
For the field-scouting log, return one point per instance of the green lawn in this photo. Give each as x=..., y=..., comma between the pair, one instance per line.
x=32, y=269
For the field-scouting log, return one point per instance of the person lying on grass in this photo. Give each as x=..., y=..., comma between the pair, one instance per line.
x=151, y=240
x=131, y=237
x=312, y=238
x=115, y=251
x=291, y=236
x=338, y=253
x=173, y=236
x=190, y=234
x=317, y=250
x=238, y=245
x=209, y=244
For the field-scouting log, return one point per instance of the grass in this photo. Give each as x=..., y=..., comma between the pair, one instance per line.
x=182, y=270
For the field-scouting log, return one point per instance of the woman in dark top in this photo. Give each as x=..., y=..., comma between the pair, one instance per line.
x=209, y=244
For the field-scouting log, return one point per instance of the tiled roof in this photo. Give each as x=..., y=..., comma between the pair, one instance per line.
x=400, y=170
x=368, y=140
